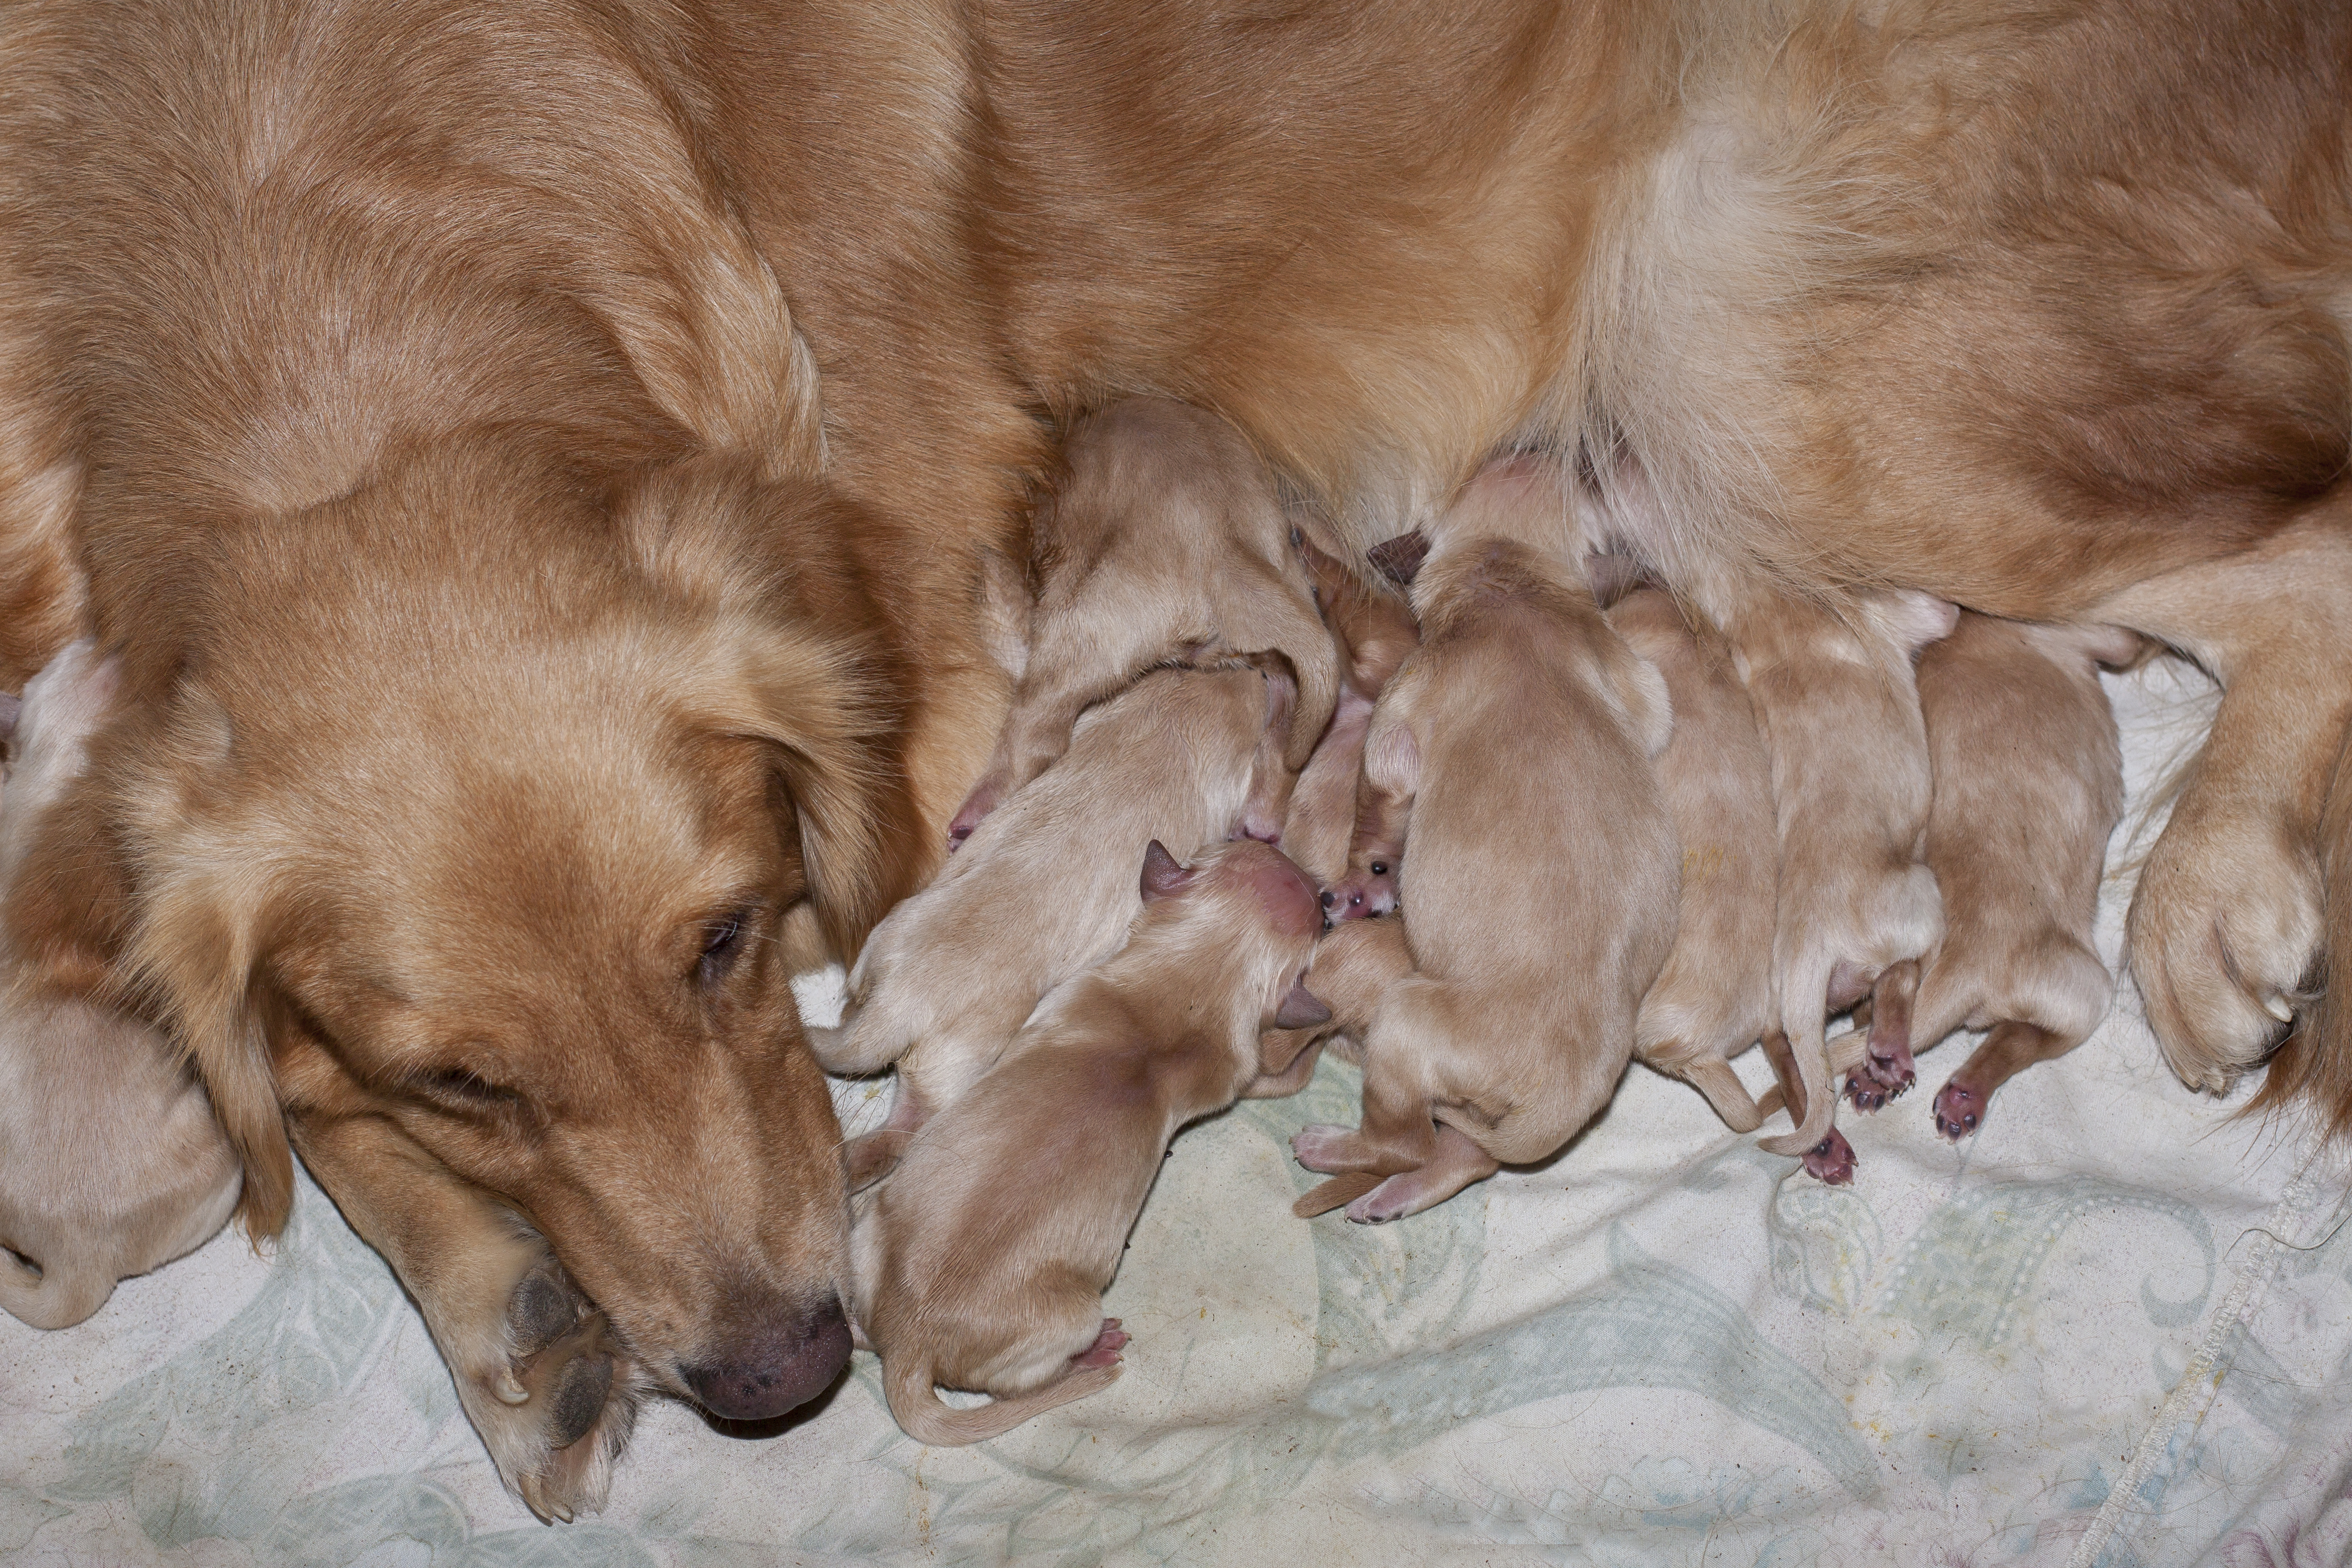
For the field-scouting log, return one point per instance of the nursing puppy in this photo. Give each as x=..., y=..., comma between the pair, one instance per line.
x=2029, y=785
x=981, y=1262
x=110, y=1162
x=1166, y=541
x=1714, y=998
x=1836, y=700
x=1046, y=885
x=1518, y=735
x=1375, y=631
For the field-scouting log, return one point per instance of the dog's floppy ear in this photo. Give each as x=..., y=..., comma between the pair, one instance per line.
x=799, y=657
x=1163, y=876
x=1300, y=1008
x=192, y=956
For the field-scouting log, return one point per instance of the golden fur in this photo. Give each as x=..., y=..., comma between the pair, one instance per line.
x=983, y=1258
x=2036, y=307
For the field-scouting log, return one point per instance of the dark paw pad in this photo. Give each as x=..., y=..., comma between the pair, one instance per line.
x=1832, y=1160
x=1960, y=1110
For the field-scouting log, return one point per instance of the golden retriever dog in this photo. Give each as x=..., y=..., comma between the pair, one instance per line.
x=1714, y=998
x=2029, y=785
x=1165, y=540
x=424, y=405
x=1046, y=887
x=1375, y=632
x=982, y=1259
x=110, y=1162
x=1517, y=735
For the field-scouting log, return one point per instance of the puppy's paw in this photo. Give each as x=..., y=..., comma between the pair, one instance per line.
x=1959, y=1111
x=1105, y=1350
x=1832, y=1160
x=548, y=1388
x=2225, y=926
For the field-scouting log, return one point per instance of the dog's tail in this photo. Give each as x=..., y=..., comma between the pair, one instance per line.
x=1804, y=1027
x=61, y=1295
x=916, y=1405
x=2312, y=1071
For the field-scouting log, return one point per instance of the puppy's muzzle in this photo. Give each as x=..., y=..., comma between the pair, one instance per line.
x=791, y=1357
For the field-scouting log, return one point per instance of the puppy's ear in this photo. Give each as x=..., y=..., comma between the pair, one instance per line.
x=1300, y=1009
x=1163, y=876
x=1400, y=559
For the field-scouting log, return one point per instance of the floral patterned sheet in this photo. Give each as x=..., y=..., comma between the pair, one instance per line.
x=2112, y=1329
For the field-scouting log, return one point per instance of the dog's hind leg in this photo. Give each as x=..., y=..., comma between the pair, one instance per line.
x=537, y=1371
x=2227, y=920
x=1831, y=1159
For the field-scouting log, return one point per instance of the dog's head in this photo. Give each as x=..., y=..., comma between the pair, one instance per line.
x=499, y=805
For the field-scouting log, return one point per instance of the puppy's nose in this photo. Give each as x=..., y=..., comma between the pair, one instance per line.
x=1329, y=899
x=791, y=1359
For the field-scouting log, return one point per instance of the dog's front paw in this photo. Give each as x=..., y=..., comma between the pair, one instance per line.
x=2225, y=926
x=547, y=1385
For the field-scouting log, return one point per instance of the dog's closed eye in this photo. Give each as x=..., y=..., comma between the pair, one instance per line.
x=467, y=1086
x=722, y=943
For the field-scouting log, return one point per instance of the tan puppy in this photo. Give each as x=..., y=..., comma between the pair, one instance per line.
x=1836, y=700
x=2029, y=785
x=981, y=1262
x=1375, y=632
x=1714, y=998
x=110, y=1162
x=1046, y=886
x=1539, y=877
x=1166, y=541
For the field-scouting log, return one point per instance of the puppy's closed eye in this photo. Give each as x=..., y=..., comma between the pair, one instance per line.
x=465, y=1089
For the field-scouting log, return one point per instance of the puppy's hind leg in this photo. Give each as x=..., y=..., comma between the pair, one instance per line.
x=1887, y=1068
x=2009, y=1049
x=1833, y=1158
x=1453, y=1165
x=1713, y=1077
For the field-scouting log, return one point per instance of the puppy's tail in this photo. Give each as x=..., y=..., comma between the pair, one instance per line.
x=1813, y=1057
x=2312, y=1070
x=57, y=1297
x=916, y=1405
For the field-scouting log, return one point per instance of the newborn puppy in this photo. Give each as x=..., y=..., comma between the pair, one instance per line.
x=1165, y=542
x=1518, y=735
x=1046, y=886
x=981, y=1262
x=110, y=1162
x=1714, y=998
x=2029, y=785
x=1835, y=697
x=1374, y=631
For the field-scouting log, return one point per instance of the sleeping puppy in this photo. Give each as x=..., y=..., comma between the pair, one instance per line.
x=110, y=1162
x=981, y=1262
x=1714, y=998
x=1508, y=764
x=1165, y=542
x=1835, y=697
x=1046, y=886
x=2029, y=785
x=1375, y=631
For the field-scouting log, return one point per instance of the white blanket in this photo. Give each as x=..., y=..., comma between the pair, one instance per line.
x=2112, y=1329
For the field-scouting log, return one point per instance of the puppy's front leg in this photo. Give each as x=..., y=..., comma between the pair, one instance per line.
x=1272, y=779
x=550, y=1391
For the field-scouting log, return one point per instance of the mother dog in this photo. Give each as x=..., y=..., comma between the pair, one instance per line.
x=535, y=460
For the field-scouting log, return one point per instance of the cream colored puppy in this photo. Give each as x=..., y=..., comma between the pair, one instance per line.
x=2029, y=785
x=1165, y=542
x=1508, y=794
x=1375, y=631
x=110, y=1162
x=1837, y=699
x=1714, y=998
x=1046, y=886
x=981, y=1262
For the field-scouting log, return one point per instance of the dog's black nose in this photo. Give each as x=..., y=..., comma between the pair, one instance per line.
x=1330, y=899
x=791, y=1359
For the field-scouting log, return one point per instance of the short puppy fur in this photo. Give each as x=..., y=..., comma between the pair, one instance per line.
x=1166, y=541
x=1375, y=631
x=1837, y=699
x=1046, y=886
x=1714, y=998
x=2029, y=786
x=981, y=1261
x=1509, y=767
x=110, y=1161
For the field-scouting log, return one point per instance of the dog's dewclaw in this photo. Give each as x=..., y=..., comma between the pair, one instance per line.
x=1337, y=1193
